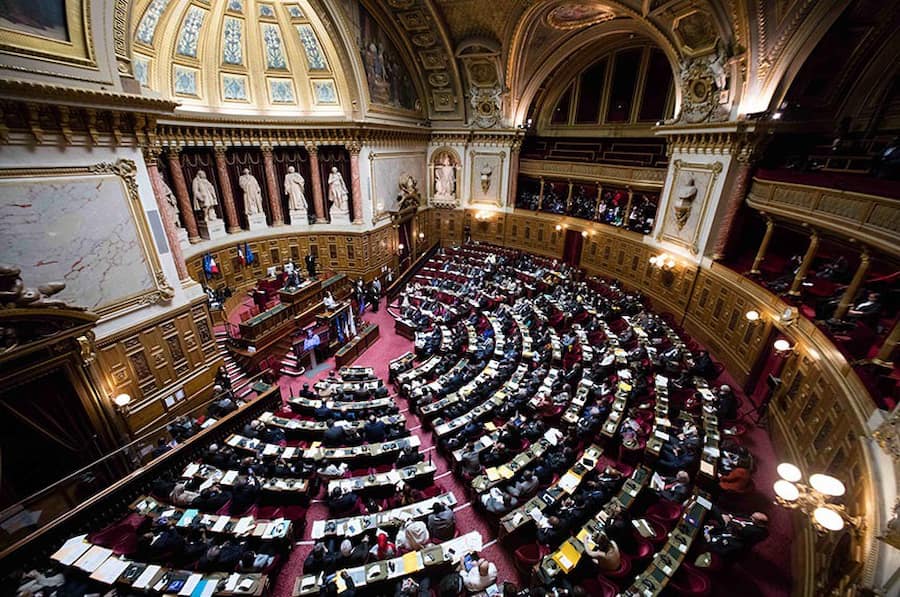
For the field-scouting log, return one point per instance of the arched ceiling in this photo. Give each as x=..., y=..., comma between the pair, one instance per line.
x=250, y=57
x=338, y=58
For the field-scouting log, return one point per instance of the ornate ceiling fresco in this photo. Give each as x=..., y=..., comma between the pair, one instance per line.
x=239, y=57
x=459, y=61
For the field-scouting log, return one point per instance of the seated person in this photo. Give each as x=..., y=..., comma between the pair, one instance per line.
x=410, y=587
x=738, y=479
x=319, y=560
x=413, y=536
x=441, y=522
x=182, y=496
x=604, y=552
x=480, y=576
x=553, y=531
x=731, y=534
x=677, y=489
x=525, y=487
x=341, y=503
x=498, y=502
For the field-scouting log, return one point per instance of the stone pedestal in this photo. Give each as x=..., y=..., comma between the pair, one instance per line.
x=299, y=217
x=340, y=217
x=257, y=222
x=181, y=235
x=212, y=230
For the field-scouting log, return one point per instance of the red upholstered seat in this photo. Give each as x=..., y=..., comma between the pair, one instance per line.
x=690, y=581
x=528, y=556
x=120, y=537
x=623, y=571
x=599, y=587
x=664, y=511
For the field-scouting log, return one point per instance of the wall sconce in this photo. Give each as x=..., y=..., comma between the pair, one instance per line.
x=121, y=402
x=584, y=233
x=813, y=499
x=558, y=227
x=752, y=316
x=482, y=215
x=421, y=235
x=400, y=247
x=789, y=316
x=663, y=261
x=783, y=348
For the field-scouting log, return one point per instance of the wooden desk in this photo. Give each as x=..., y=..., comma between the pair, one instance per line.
x=266, y=322
x=404, y=329
x=350, y=351
x=354, y=526
x=419, y=475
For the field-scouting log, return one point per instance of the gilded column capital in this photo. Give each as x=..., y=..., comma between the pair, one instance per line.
x=219, y=150
x=312, y=148
x=267, y=148
x=151, y=154
x=354, y=147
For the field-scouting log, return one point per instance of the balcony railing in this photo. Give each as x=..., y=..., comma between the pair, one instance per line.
x=869, y=219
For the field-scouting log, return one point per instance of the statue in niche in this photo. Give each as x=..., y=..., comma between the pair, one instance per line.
x=486, y=173
x=337, y=192
x=205, y=199
x=409, y=193
x=172, y=213
x=294, y=188
x=252, y=193
x=684, y=201
x=445, y=179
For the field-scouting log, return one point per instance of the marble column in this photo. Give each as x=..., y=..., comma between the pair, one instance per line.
x=316, y=174
x=763, y=246
x=182, y=195
x=733, y=206
x=165, y=213
x=272, y=187
x=804, y=265
x=627, y=208
x=513, y=177
x=355, y=189
x=569, y=198
x=883, y=358
x=853, y=288
x=228, y=208
x=599, y=198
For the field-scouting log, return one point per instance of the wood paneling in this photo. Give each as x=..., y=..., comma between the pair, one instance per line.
x=355, y=254
x=154, y=361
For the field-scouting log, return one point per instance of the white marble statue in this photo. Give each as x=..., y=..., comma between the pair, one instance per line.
x=172, y=201
x=205, y=199
x=445, y=180
x=252, y=193
x=684, y=201
x=337, y=191
x=294, y=187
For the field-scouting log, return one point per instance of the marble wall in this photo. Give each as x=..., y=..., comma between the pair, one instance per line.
x=381, y=169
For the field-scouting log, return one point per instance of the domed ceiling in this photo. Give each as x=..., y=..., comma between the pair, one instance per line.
x=239, y=57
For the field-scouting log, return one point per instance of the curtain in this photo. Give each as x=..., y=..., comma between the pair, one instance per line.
x=299, y=159
x=251, y=158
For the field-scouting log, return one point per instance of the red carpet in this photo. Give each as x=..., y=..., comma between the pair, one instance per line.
x=390, y=346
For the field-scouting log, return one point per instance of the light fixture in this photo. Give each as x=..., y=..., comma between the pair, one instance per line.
x=482, y=215
x=421, y=235
x=584, y=233
x=782, y=347
x=558, y=227
x=813, y=499
x=777, y=116
x=752, y=316
x=401, y=246
x=663, y=261
x=122, y=401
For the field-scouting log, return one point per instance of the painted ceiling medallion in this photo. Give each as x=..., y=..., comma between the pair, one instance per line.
x=575, y=15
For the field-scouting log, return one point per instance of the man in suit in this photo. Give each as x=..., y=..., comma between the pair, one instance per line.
x=310, y=261
x=735, y=534
x=375, y=431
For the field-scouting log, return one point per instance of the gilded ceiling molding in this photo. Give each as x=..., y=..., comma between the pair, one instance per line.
x=55, y=94
x=434, y=59
x=29, y=122
x=173, y=135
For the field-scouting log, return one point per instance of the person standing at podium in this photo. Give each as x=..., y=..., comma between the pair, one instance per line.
x=311, y=345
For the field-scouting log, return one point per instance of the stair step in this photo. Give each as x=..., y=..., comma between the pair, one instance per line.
x=292, y=373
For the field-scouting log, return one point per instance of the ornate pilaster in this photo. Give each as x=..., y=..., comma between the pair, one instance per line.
x=804, y=265
x=763, y=246
x=735, y=200
x=513, y=174
x=272, y=187
x=883, y=358
x=316, y=174
x=182, y=195
x=853, y=288
x=165, y=212
x=355, y=189
x=228, y=208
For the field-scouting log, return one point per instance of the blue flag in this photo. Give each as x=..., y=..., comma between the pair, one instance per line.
x=248, y=254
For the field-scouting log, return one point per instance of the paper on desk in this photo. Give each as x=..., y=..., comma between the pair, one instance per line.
x=270, y=449
x=231, y=583
x=110, y=571
x=229, y=478
x=704, y=502
x=220, y=524
x=707, y=468
x=143, y=581
x=243, y=525
x=71, y=550
x=93, y=558
x=190, y=584
x=191, y=470
x=318, y=529
x=412, y=562
x=569, y=482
